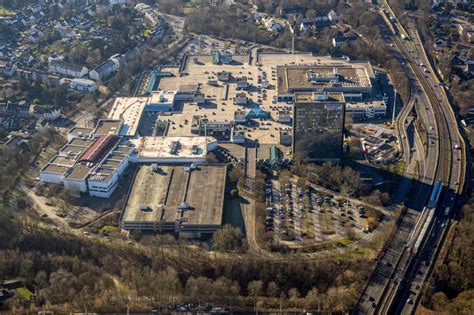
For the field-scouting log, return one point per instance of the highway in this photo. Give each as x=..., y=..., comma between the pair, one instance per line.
x=451, y=171
x=400, y=272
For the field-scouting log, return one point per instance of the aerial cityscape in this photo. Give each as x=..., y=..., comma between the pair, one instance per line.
x=236, y=156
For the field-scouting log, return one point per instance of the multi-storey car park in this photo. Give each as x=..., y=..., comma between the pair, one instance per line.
x=176, y=199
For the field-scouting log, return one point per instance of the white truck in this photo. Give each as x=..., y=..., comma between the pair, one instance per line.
x=447, y=210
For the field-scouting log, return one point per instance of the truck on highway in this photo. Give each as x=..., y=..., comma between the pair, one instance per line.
x=447, y=210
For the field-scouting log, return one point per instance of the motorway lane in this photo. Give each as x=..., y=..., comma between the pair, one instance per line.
x=428, y=117
x=377, y=291
x=449, y=160
x=389, y=296
x=451, y=169
x=422, y=264
x=456, y=167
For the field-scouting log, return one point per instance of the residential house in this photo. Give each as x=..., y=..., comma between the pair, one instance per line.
x=241, y=98
x=36, y=8
x=333, y=17
x=142, y=7
x=113, y=2
x=307, y=26
x=273, y=26
x=20, y=109
x=23, y=109
x=3, y=108
x=67, y=69
x=64, y=29
x=348, y=37
x=35, y=35
x=49, y=113
x=470, y=36
x=103, y=70
x=118, y=60
x=322, y=18
x=242, y=83
x=7, y=69
x=151, y=18
x=83, y=85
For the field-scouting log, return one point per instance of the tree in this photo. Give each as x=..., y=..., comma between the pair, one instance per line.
x=198, y=288
x=272, y=289
x=227, y=238
x=60, y=96
x=254, y=288
x=311, y=14
x=294, y=295
x=168, y=283
x=223, y=289
x=8, y=230
x=235, y=173
x=301, y=182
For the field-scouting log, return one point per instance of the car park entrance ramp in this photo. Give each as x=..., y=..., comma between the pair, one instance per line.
x=250, y=169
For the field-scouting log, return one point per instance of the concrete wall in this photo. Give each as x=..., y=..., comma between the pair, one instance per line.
x=76, y=185
x=51, y=178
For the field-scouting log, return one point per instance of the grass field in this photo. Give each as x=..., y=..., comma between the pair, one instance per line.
x=24, y=293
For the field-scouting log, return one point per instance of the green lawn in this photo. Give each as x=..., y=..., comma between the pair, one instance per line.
x=4, y=11
x=357, y=253
x=106, y=229
x=24, y=293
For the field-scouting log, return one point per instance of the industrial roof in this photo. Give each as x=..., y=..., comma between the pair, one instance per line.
x=257, y=112
x=301, y=78
x=108, y=126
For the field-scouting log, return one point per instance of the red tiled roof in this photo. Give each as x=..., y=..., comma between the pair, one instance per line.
x=99, y=148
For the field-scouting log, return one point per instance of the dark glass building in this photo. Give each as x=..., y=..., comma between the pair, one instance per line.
x=318, y=125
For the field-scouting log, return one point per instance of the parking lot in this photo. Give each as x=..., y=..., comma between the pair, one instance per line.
x=299, y=217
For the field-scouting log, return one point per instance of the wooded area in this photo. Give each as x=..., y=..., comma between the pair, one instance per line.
x=71, y=273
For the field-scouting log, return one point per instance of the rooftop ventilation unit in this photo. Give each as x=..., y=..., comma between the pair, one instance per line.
x=184, y=206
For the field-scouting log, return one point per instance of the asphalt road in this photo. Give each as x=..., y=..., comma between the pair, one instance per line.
x=398, y=292
x=453, y=175
x=395, y=259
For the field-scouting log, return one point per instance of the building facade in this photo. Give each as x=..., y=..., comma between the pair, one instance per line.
x=318, y=125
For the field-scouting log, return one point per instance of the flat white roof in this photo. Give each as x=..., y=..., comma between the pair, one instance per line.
x=128, y=109
x=158, y=98
x=160, y=147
